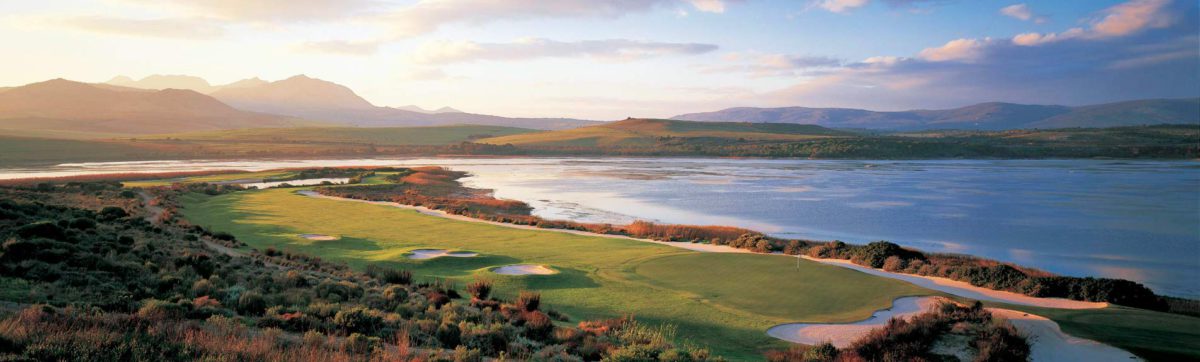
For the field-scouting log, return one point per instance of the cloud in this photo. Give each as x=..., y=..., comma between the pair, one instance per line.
x=774, y=65
x=964, y=50
x=709, y=6
x=1132, y=17
x=425, y=74
x=340, y=47
x=162, y=28
x=271, y=11
x=532, y=48
x=1021, y=12
x=841, y=6
x=1153, y=59
x=1116, y=21
x=429, y=15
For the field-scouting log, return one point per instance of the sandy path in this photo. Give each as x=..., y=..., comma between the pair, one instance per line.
x=1049, y=343
x=842, y=334
x=944, y=285
x=966, y=290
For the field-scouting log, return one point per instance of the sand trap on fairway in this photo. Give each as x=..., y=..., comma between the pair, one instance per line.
x=318, y=237
x=1048, y=343
x=524, y=269
x=842, y=334
x=437, y=253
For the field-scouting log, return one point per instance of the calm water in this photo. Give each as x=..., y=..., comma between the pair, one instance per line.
x=1137, y=220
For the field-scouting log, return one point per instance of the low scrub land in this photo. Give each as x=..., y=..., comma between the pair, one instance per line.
x=85, y=276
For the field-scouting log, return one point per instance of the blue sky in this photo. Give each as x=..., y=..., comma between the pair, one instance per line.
x=608, y=59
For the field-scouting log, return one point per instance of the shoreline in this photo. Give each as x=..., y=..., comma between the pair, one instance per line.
x=948, y=286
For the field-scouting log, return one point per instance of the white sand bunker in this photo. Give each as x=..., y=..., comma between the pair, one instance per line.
x=437, y=253
x=524, y=269
x=1049, y=343
x=321, y=237
x=842, y=334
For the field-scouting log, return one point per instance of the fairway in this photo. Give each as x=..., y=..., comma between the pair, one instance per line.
x=725, y=301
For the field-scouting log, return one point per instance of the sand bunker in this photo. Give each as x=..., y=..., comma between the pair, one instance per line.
x=524, y=269
x=321, y=237
x=1048, y=343
x=437, y=253
x=842, y=334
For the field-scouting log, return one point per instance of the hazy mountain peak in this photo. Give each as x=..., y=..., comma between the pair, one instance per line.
x=290, y=95
x=447, y=109
x=164, y=81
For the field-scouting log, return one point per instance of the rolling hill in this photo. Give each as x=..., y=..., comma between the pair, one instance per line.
x=382, y=136
x=983, y=116
x=71, y=109
x=642, y=132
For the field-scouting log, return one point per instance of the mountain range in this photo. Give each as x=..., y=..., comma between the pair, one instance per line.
x=62, y=107
x=983, y=116
x=319, y=100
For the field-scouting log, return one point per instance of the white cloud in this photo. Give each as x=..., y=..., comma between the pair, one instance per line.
x=962, y=50
x=1117, y=21
x=163, y=28
x=269, y=11
x=840, y=6
x=709, y=6
x=342, y=47
x=773, y=65
x=1021, y=12
x=531, y=48
x=1132, y=17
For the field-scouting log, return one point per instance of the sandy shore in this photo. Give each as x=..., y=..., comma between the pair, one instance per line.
x=1049, y=343
x=318, y=237
x=524, y=269
x=944, y=285
x=842, y=334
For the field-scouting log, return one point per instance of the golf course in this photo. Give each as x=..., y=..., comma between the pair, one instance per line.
x=712, y=299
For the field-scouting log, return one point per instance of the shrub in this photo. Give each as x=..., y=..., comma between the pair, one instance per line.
x=528, y=301
x=480, y=289
x=358, y=319
x=251, y=303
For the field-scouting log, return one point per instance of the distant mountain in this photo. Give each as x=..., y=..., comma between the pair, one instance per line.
x=164, y=82
x=417, y=109
x=983, y=116
x=64, y=107
x=647, y=132
x=315, y=99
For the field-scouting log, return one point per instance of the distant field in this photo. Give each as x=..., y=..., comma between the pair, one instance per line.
x=393, y=136
x=26, y=150
x=647, y=132
x=599, y=277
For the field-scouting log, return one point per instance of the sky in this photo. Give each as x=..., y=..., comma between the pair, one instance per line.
x=611, y=59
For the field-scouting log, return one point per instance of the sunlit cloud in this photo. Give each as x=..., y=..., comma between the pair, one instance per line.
x=429, y=15
x=532, y=48
x=964, y=50
x=1022, y=12
x=1117, y=21
x=773, y=65
x=270, y=11
x=162, y=28
x=341, y=47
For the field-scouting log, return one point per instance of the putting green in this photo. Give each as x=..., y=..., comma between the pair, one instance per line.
x=724, y=301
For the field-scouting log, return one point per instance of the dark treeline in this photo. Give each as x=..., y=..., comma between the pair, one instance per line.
x=990, y=340
x=84, y=277
x=438, y=188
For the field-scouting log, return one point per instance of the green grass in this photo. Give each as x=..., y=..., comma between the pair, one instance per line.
x=599, y=277
x=436, y=135
x=646, y=132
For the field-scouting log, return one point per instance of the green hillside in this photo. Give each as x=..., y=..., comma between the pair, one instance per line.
x=641, y=132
